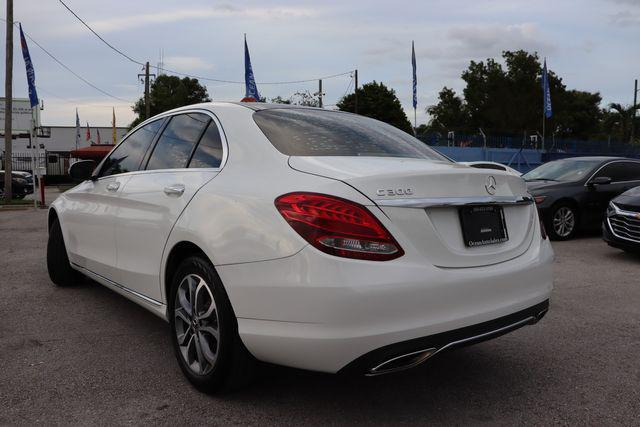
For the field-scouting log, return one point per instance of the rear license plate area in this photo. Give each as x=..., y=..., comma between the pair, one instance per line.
x=483, y=225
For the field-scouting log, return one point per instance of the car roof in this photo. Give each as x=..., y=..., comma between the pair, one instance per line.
x=599, y=158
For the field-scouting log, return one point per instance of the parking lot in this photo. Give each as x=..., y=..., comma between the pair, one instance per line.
x=86, y=355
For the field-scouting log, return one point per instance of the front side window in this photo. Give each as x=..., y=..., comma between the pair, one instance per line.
x=176, y=143
x=208, y=154
x=306, y=132
x=128, y=155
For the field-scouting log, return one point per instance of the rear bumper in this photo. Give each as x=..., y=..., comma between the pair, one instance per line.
x=319, y=312
x=374, y=363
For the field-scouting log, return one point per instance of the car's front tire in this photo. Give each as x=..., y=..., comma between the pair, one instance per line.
x=60, y=271
x=204, y=329
x=562, y=222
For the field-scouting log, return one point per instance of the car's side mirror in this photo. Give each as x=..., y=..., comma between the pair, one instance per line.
x=82, y=170
x=601, y=180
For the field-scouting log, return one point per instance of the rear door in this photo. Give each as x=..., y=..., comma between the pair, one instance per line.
x=187, y=154
x=93, y=205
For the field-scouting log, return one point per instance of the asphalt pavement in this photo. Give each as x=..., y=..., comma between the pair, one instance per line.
x=85, y=355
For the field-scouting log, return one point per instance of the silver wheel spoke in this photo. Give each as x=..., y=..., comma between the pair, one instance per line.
x=202, y=286
x=205, y=346
x=199, y=354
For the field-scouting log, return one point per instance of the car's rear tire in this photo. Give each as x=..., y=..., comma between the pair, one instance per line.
x=205, y=339
x=562, y=222
x=60, y=271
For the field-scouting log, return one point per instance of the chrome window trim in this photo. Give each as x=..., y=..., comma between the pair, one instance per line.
x=444, y=202
x=211, y=114
x=586, y=183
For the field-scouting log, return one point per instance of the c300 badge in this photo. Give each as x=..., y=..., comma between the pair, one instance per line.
x=394, y=192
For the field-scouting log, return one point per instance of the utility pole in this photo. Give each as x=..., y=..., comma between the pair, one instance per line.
x=147, y=104
x=356, y=92
x=633, y=116
x=320, y=93
x=8, y=106
x=147, y=107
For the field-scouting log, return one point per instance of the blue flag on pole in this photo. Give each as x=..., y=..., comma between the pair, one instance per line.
x=546, y=93
x=251, y=90
x=31, y=75
x=415, y=79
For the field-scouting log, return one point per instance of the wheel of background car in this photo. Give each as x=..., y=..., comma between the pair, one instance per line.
x=60, y=271
x=204, y=330
x=563, y=221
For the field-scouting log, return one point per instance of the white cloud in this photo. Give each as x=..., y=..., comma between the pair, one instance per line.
x=187, y=63
x=132, y=21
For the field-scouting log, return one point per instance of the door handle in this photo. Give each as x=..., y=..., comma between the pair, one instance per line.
x=174, y=190
x=113, y=186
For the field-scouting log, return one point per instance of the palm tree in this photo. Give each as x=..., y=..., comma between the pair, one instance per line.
x=619, y=120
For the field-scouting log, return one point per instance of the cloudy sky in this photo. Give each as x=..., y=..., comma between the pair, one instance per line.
x=592, y=44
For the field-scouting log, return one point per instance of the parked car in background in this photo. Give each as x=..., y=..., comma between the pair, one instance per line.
x=492, y=165
x=621, y=227
x=573, y=194
x=310, y=238
x=21, y=184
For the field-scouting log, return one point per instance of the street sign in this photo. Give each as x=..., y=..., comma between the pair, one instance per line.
x=21, y=117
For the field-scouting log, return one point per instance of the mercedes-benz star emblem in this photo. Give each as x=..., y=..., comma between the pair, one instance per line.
x=490, y=185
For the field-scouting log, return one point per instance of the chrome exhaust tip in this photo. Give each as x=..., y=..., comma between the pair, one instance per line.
x=402, y=362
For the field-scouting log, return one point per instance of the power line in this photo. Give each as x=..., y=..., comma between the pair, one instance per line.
x=67, y=67
x=135, y=61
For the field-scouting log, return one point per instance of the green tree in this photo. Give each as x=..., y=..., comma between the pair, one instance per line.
x=449, y=113
x=508, y=100
x=169, y=92
x=379, y=102
x=617, y=121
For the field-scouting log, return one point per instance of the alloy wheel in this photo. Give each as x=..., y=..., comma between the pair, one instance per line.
x=196, y=324
x=564, y=221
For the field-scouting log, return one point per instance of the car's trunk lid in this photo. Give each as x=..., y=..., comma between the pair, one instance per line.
x=423, y=198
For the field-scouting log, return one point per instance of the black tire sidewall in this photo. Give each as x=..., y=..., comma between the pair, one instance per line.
x=226, y=318
x=549, y=222
x=58, y=266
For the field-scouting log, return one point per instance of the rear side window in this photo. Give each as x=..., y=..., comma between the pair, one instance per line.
x=128, y=155
x=174, y=147
x=302, y=132
x=208, y=154
x=621, y=171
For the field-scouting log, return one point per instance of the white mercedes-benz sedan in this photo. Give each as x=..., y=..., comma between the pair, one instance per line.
x=303, y=237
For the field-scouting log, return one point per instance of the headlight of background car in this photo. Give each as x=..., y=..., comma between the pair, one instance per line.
x=20, y=181
x=611, y=209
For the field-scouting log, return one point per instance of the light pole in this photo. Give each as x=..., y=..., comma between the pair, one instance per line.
x=633, y=113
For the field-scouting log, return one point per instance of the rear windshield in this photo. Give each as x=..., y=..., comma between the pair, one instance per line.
x=301, y=132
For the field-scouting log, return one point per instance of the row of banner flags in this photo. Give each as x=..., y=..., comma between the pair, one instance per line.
x=251, y=88
x=98, y=138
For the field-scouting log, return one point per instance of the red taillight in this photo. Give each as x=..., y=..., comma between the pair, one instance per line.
x=338, y=227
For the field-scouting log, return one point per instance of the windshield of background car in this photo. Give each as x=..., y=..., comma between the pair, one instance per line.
x=300, y=132
x=562, y=170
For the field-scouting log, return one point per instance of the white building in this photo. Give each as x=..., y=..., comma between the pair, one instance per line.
x=63, y=138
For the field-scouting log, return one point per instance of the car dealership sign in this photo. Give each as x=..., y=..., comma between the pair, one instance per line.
x=21, y=117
